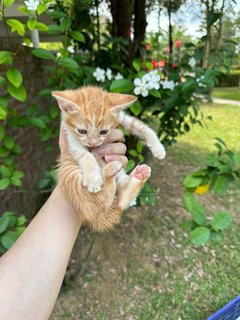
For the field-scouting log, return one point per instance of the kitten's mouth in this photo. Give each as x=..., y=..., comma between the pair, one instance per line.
x=91, y=146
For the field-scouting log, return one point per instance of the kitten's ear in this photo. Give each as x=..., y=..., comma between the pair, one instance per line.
x=64, y=103
x=120, y=101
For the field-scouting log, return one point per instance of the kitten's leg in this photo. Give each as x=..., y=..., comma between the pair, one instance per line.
x=90, y=169
x=132, y=186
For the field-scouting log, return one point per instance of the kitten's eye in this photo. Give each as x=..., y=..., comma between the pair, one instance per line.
x=82, y=131
x=103, y=132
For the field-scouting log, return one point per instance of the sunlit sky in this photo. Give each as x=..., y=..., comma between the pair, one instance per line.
x=188, y=19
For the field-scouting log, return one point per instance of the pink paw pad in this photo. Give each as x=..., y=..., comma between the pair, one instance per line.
x=142, y=172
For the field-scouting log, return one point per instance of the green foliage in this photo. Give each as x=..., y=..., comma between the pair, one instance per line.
x=11, y=227
x=221, y=169
x=48, y=181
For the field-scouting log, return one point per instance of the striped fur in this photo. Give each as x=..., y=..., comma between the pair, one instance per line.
x=97, y=190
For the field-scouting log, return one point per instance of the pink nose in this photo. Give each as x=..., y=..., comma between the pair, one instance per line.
x=92, y=143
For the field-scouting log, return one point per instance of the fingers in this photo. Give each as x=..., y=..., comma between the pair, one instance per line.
x=114, y=136
x=111, y=148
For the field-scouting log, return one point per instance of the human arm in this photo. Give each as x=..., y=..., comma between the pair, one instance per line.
x=32, y=270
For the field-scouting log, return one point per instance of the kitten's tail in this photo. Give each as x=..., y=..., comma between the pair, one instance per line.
x=141, y=130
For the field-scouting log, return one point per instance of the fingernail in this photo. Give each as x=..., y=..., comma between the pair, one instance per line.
x=109, y=157
x=100, y=151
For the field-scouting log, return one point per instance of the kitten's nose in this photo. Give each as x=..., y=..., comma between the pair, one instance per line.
x=92, y=143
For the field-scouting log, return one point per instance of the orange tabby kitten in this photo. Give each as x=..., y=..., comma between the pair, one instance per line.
x=99, y=191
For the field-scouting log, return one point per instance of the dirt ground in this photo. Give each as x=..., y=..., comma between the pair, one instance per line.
x=142, y=257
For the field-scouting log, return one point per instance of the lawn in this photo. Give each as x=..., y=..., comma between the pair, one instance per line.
x=231, y=93
x=147, y=269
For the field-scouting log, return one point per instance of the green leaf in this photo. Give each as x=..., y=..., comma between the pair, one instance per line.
x=41, y=8
x=135, y=108
x=44, y=183
x=187, y=225
x=68, y=63
x=43, y=54
x=2, y=81
x=216, y=236
x=4, y=183
x=136, y=65
x=41, y=26
x=8, y=142
x=5, y=57
x=130, y=165
x=139, y=147
x=189, y=85
x=200, y=236
x=2, y=132
x=20, y=230
x=5, y=171
x=221, y=184
x=45, y=134
x=45, y=93
x=194, y=207
x=212, y=18
x=54, y=112
x=31, y=23
x=192, y=181
x=3, y=113
x=57, y=14
x=9, y=238
x=24, y=10
x=221, y=220
x=140, y=157
x=132, y=152
x=17, y=149
x=39, y=123
x=121, y=85
x=15, y=77
x=18, y=174
x=77, y=36
x=17, y=26
x=155, y=93
x=16, y=181
x=7, y=3
x=65, y=24
x=4, y=101
x=17, y=93
x=54, y=29
x=21, y=221
x=4, y=221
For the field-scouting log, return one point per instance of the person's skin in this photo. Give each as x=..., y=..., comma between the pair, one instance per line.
x=32, y=270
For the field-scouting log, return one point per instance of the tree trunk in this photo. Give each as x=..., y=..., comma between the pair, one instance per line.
x=121, y=16
x=140, y=24
x=170, y=40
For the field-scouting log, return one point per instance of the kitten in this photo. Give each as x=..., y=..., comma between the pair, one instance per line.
x=99, y=191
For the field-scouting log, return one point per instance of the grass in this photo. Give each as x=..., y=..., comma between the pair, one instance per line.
x=147, y=268
x=231, y=93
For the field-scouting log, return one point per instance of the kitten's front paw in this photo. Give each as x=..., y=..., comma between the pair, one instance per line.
x=93, y=181
x=159, y=151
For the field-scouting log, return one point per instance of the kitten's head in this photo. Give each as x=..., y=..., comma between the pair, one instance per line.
x=90, y=112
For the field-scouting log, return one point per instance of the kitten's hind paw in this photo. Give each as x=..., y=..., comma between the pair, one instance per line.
x=93, y=182
x=112, y=168
x=141, y=172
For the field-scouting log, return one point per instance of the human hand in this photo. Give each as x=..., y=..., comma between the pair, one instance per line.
x=113, y=150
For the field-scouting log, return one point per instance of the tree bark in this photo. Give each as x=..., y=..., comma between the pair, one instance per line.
x=121, y=15
x=140, y=24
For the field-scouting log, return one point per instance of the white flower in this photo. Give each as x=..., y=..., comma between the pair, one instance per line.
x=154, y=80
x=118, y=76
x=70, y=49
x=109, y=74
x=192, y=62
x=59, y=54
x=32, y=4
x=168, y=84
x=141, y=87
x=199, y=81
x=99, y=74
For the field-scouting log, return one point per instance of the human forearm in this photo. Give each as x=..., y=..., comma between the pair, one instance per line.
x=31, y=272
